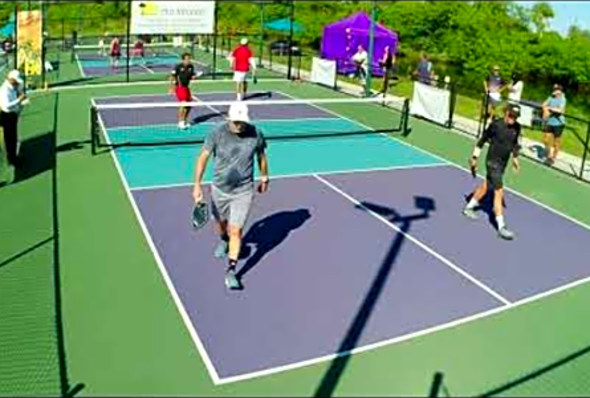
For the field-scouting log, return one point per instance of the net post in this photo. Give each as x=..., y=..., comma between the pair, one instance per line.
x=585, y=154
x=405, y=117
x=93, y=128
x=436, y=385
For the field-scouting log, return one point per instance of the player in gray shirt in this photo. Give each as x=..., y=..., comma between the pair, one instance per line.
x=233, y=144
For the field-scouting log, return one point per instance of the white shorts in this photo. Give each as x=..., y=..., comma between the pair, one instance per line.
x=240, y=77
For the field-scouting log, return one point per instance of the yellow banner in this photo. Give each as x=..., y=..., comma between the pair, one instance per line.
x=29, y=39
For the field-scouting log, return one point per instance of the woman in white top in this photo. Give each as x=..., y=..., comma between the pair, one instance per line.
x=360, y=60
x=516, y=87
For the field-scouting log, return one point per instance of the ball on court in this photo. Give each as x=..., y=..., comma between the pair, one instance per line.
x=347, y=30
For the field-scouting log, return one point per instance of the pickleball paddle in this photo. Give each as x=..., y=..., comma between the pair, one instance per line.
x=200, y=215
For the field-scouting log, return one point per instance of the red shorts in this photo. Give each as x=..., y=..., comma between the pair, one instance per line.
x=183, y=94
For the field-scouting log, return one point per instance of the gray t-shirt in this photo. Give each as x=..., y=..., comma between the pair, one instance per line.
x=233, y=171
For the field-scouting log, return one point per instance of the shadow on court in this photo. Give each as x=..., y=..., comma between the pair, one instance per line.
x=31, y=275
x=266, y=234
x=487, y=207
x=536, y=381
x=425, y=206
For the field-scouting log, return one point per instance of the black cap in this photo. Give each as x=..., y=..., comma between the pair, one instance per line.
x=514, y=110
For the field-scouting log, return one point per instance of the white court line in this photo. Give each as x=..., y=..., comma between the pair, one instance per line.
x=417, y=242
x=405, y=337
x=522, y=195
x=300, y=175
x=176, y=298
x=146, y=68
x=80, y=66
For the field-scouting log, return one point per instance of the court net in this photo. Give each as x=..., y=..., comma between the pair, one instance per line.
x=115, y=124
x=168, y=52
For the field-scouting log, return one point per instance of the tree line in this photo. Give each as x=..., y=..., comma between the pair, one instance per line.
x=464, y=38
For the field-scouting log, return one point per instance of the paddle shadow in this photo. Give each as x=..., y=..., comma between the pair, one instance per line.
x=403, y=224
x=266, y=234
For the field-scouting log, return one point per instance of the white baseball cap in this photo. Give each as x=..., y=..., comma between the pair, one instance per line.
x=15, y=75
x=238, y=112
x=244, y=41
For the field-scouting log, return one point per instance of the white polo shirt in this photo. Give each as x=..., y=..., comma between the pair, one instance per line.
x=9, y=101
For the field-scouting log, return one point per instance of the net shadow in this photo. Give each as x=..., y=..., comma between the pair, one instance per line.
x=337, y=367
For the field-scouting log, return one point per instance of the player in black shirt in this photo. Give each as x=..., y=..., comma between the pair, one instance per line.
x=181, y=78
x=503, y=136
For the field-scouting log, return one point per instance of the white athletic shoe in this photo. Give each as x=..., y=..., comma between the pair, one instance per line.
x=181, y=125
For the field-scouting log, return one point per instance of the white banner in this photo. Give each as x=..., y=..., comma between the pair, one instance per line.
x=323, y=71
x=172, y=17
x=431, y=103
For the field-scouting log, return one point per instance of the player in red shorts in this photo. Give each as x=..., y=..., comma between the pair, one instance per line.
x=115, y=52
x=242, y=61
x=139, y=50
x=181, y=78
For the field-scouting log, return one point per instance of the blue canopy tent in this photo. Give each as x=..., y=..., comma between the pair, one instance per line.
x=283, y=25
x=9, y=28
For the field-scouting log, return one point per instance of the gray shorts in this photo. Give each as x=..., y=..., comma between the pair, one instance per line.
x=232, y=208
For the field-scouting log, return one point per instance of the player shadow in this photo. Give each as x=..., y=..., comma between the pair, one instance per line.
x=266, y=234
x=35, y=157
x=403, y=223
x=486, y=205
x=208, y=116
x=262, y=94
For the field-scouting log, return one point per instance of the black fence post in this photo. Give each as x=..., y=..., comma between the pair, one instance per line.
x=129, y=4
x=453, y=99
x=215, y=26
x=585, y=154
x=290, y=49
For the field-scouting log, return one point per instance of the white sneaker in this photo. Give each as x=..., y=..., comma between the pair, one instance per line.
x=181, y=125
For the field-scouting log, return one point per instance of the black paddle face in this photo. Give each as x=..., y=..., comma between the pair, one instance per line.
x=200, y=215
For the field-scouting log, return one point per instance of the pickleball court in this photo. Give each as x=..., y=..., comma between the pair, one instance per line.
x=358, y=235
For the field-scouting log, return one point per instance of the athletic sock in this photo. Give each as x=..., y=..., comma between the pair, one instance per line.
x=473, y=203
x=500, y=221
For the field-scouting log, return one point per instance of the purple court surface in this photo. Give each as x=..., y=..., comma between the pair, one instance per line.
x=312, y=257
x=382, y=256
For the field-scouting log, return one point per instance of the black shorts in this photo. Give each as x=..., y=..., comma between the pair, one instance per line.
x=495, y=175
x=556, y=131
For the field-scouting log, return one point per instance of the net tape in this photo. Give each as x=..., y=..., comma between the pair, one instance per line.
x=146, y=124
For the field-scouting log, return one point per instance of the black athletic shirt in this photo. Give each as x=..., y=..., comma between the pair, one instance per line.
x=504, y=140
x=184, y=74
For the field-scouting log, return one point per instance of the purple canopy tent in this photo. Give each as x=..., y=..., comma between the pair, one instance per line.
x=341, y=39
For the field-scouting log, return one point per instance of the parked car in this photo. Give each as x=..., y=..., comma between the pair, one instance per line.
x=281, y=47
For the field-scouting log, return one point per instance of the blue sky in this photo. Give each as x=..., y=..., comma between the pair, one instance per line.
x=568, y=13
